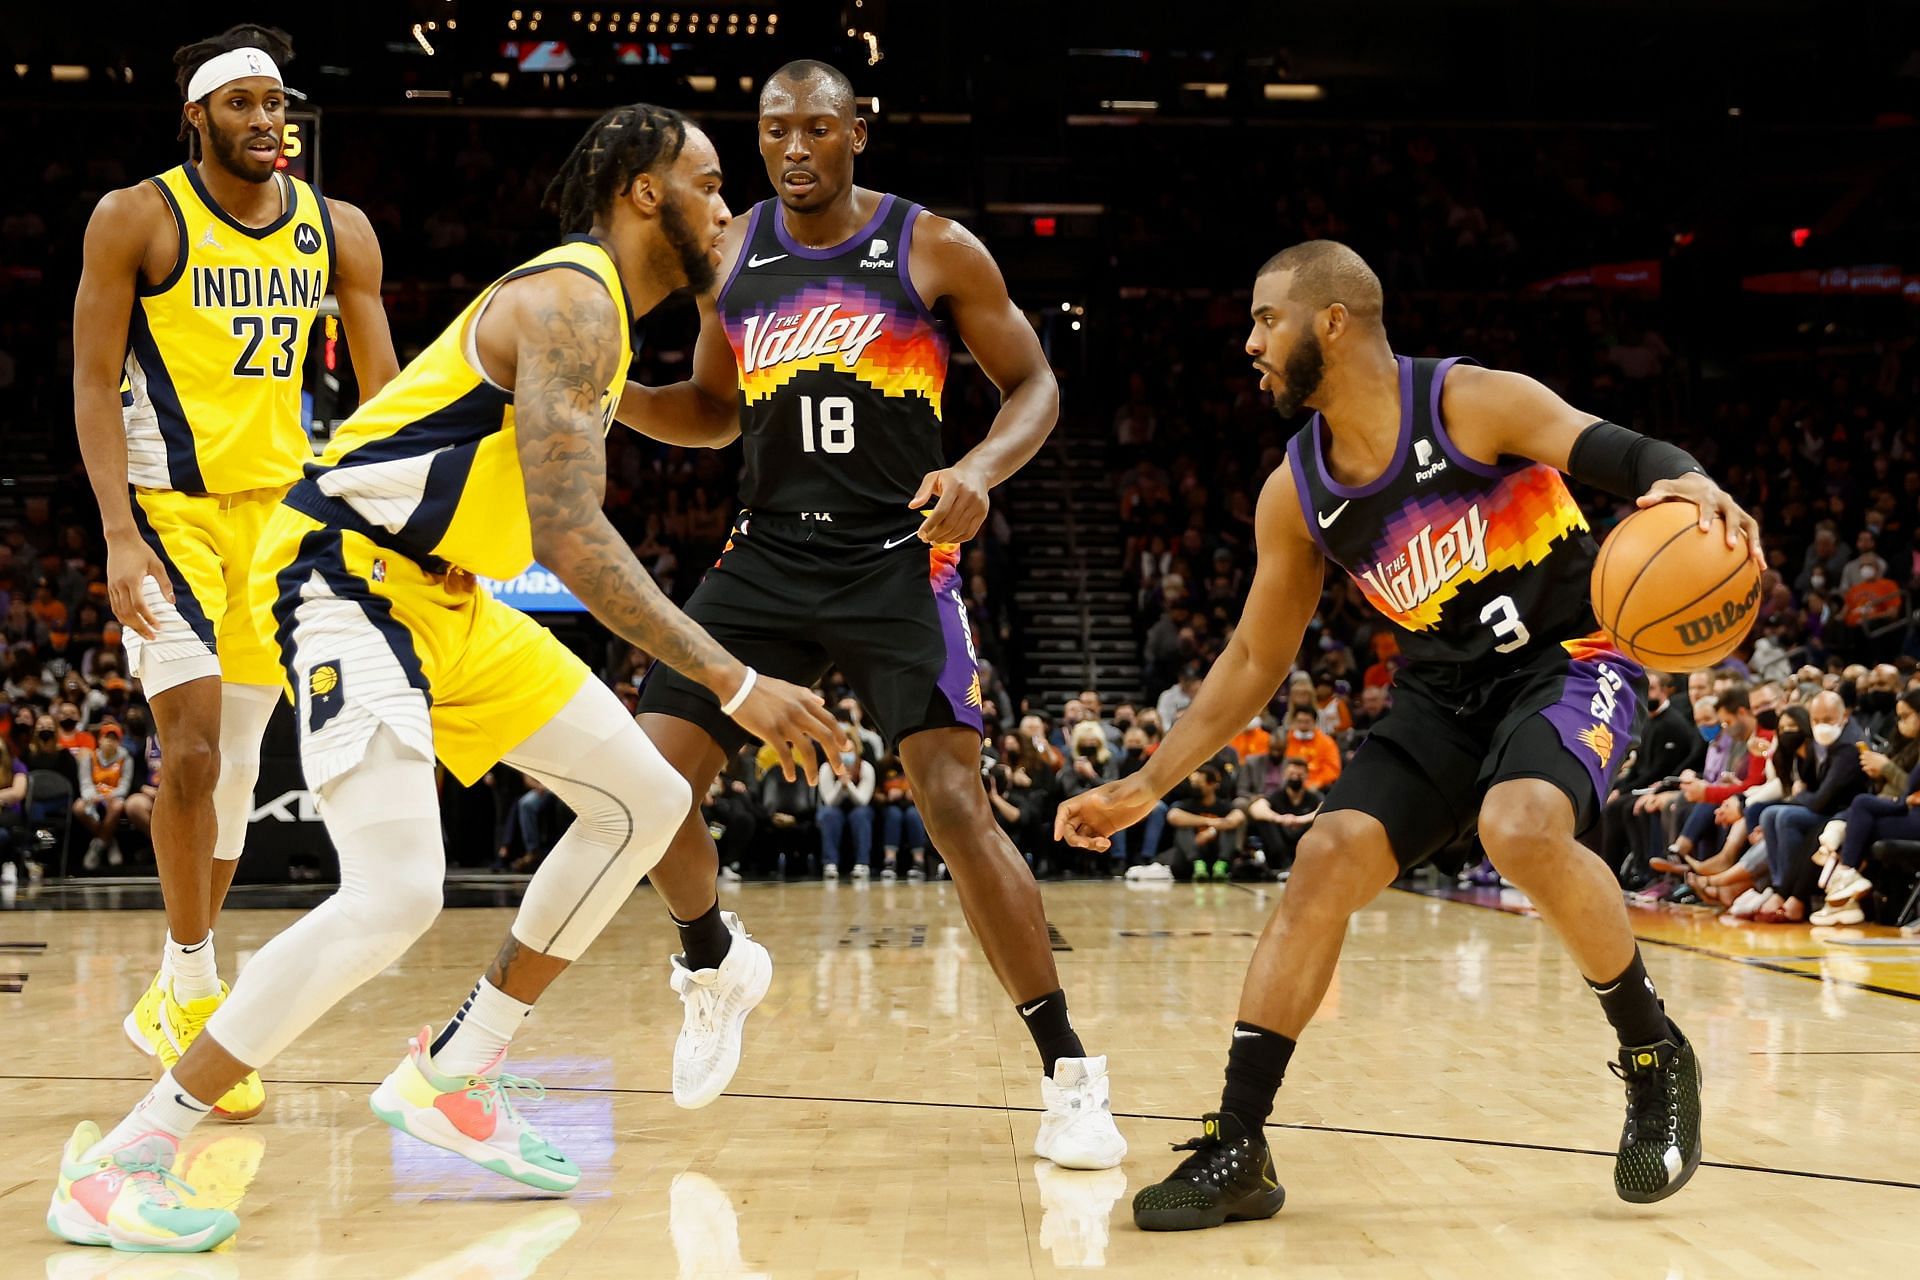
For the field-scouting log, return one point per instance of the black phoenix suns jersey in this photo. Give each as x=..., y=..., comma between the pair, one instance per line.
x=841, y=366
x=1478, y=567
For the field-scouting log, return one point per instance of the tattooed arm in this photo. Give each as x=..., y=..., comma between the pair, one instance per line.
x=558, y=334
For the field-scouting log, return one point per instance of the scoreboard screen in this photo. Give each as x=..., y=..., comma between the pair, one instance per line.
x=300, y=153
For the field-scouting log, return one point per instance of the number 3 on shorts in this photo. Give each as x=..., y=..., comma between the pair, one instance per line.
x=836, y=424
x=1505, y=620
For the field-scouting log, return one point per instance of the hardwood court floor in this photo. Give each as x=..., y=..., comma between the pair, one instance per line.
x=1449, y=1115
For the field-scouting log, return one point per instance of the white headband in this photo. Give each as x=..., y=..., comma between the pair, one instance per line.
x=234, y=64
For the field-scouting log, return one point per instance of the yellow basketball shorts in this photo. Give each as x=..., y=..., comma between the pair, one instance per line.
x=207, y=543
x=367, y=637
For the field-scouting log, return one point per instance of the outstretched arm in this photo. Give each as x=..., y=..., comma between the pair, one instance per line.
x=1285, y=592
x=949, y=263
x=566, y=343
x=357, y=269
x=1493, y=412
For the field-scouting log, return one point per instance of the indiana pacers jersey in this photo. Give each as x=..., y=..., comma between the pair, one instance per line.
x=1477, y=567
x=842, y=366
x=211, y=393
x=431, y=464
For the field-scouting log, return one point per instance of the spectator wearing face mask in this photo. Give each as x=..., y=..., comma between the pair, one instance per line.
x=1306, y=742
x=1872, y=818
x=1879, y=693
x=1281, y=817
x=1090, y=763
x=847, y=807
x=1251, y=742
x=1207, y=829
x=1793, y=827
x=1867, y=556
x=1140, y=842
x=14, y=866
x=1770, y=651
x=1825, y=560
x=72, y=736
x=1872, y=597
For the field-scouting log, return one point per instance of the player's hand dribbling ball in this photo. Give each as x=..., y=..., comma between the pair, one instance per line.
x=1672, y=597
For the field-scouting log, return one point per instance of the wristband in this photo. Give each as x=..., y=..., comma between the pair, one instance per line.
x=732, y=704
x=1625, y=463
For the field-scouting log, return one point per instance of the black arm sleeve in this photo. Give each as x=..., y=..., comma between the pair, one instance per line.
x=1626, y=463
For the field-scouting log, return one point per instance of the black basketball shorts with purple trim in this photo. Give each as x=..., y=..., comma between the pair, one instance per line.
x=793, y=597
x=1566, y=716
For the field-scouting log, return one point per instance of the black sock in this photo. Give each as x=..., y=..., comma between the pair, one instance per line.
x=704, y=942
x=1632, y=1006
x=1256, y=1063
x=1051, y=1029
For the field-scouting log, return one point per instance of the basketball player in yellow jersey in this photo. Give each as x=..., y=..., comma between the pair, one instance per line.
x=196, y=297
x=486, y=452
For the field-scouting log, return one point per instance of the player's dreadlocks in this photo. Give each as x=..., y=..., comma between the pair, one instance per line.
x=188, y=58
x=620, y=145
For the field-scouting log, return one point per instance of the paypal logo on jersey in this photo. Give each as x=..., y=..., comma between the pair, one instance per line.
x=1422, y=455
x=877, y=256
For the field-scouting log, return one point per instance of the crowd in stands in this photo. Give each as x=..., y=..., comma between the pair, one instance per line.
x=1817, y=434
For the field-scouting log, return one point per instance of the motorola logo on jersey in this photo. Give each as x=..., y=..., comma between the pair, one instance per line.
x=1430, y=563
x=306, y=239
x=782, y=339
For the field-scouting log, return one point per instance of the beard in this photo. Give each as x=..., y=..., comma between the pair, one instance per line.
x=230, y=153
x=692, y=255
x=1300, y=376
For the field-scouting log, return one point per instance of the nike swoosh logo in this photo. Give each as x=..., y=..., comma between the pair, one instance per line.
x=1028, y=1011
x=761, y=262
x=1326, y=521
x=185, y=1101
x=1238, y=1034
x=890, y=546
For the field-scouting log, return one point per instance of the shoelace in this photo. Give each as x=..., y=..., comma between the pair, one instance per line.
x=701, y=1002
x=1204, y=1149
x=498, y=1091
x=166, y=1189
x=1646, y=1104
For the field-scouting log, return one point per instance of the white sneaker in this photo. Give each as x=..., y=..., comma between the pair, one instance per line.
x=888, y=873
x=90, y=860
x=114, y=856
x=1848, y=885
x=1839, y=913
x=1076, y=1209
x=861, y=871
x=830, y=872
x=1077, y=1131
x=729, y=876
x=1150, y=871
x=716, y=1004
x=9, y=874
x=1747, y=904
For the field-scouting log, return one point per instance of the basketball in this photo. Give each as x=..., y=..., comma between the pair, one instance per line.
x=1671, y=597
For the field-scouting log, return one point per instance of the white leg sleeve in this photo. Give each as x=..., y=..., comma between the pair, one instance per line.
x=627, y=801
x=384, y=818
x=244, y=712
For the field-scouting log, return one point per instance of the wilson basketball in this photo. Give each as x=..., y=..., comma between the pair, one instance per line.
x=1671, y=597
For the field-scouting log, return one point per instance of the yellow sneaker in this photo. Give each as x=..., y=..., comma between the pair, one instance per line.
x=219, y=1167
x=142, y=1025
x=179, y=1023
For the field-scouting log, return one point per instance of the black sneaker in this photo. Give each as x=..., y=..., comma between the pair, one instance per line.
x=1660, y=1144
x=1228, y=1178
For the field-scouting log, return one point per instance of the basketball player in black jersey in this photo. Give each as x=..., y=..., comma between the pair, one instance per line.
x=826, y=346
x=1436, y=485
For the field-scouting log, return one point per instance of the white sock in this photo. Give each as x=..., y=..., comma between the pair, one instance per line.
x=191, y=969
x=167, y=1109
x=479, y=1034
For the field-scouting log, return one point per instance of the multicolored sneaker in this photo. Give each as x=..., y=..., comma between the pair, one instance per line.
x=471, y=1116
x=163, y=1027
x=126, y=1198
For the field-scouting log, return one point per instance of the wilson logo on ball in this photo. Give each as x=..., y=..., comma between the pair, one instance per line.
x=1728, y=618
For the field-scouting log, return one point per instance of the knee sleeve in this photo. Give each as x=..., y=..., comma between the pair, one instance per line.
x=244, y=712
x=384, y=819
x=627, y=802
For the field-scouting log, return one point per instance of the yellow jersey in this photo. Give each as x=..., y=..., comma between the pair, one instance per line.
x=211, y=392
x=430, y=467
